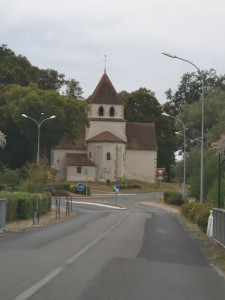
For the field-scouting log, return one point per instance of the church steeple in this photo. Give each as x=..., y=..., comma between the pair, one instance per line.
x=105, y=93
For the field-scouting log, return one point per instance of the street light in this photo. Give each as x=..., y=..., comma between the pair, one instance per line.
x=39, y=127
x=202, y=131
x=165, y=114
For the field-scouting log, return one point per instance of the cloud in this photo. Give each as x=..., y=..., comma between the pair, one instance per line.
x=73, y=37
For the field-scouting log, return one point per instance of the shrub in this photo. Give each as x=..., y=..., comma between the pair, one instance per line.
x=198, y=213
x=74, y=190
x=202, y=218
x=20, y=205
x=36, y=180
x=10, y=177
x=174, y=198
x=60, y=193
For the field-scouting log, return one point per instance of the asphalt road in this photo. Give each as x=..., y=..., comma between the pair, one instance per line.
x=138, y=253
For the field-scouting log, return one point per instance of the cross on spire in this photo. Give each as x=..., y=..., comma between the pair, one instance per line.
x=105, y=61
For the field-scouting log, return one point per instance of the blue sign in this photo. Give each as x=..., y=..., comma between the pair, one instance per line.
x=80, y=187
x=116, y=188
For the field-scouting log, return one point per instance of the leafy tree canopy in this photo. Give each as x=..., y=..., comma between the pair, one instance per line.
x=16, y=69
x=22, y=133
x=190, y=88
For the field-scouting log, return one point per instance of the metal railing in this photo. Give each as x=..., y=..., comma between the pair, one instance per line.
x=219, y=225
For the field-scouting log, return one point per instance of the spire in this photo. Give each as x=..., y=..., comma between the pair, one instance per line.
x=105, y=61
x=105, y=93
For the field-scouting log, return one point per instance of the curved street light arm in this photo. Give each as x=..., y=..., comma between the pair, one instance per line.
x=202, y=130
x=184, y=127
x=39, y=127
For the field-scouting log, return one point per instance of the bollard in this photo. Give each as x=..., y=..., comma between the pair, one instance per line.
x=2, y=214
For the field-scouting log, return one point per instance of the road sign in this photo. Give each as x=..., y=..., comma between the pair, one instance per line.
x=160, y=171
x=116, y=188
x=160, y=178
x=80, y=187
x=85, y=171
x=106, y=171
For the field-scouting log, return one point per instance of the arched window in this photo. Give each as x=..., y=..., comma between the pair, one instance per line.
x=112, y=112
x=101, y=111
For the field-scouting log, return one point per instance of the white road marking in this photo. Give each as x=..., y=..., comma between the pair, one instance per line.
x=50, y=276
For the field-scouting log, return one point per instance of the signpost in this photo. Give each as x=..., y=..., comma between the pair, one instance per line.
x=105, y=172
x=160, y=171
x=85, y=172
x=116, y=189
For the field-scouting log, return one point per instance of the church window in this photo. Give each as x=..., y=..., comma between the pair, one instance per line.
x=101, y=111
x=79, y=170
x=112, y=112
x=108, y=156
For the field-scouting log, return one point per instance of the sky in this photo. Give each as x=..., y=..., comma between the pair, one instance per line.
x=73, y=38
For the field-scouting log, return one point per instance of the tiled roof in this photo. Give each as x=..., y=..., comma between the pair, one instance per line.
x=78, y=144
x=141, y=136
x=106, y=136
x=78, y=159
x=105, y=93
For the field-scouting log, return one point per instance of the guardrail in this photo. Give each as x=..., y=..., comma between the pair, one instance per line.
x=219, y=225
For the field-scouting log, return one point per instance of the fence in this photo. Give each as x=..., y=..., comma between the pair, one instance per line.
x=219, y=225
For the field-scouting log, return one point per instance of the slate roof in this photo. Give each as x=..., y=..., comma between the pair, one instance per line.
x=141, y=136
x=106, y=136
x=78, y=159
x=105, y=93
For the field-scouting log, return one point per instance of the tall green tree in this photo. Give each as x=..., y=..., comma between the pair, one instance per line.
x=190, y=88
x=22, y=133
x=73, y=89
x=16, y=69
x=214, y=115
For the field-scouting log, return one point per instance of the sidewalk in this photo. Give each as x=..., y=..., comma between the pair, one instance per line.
x=45, y=220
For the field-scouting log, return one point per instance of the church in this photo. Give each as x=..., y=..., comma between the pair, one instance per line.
x=110, y=148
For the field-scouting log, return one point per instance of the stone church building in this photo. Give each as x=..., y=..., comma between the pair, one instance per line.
x=111, y=148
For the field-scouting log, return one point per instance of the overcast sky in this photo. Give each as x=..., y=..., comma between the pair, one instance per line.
x=72, y=37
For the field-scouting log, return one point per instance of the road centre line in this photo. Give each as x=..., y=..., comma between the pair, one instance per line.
x=50, y=276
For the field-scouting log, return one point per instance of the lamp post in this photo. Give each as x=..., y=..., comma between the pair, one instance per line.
x=39, y=123
x=202, y=130
x=184, y=127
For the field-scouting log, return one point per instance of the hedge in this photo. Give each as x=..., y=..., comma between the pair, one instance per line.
x=174, y=198
x=74, y=190
x=198, y=213
x=20, y=205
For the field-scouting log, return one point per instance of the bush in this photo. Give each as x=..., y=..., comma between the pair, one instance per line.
x=36, y=180
x=174, y=198
x=10, y=177
x=20, y=205
x=60, y=186
x=60, y=193
x=74, y=190
x=198, y=213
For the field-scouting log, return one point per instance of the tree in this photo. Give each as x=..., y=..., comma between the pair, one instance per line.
x=214, y=116
x=73, y=89
x=22, y=133
x=16, y=69
x=190, y=88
